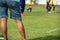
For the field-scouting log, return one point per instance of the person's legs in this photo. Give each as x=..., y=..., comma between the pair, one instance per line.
x=21, y=29
x=50, y=8
x=3, y=19
x=4, y=27
x=53, y=7
x=47, y=7
x=30, y=9
x=15, y=13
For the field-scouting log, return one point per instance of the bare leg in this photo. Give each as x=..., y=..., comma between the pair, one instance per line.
x=21, y=29
x=53, y=8
x=4, y=27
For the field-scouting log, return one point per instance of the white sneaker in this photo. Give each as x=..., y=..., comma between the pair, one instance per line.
x=1, y=38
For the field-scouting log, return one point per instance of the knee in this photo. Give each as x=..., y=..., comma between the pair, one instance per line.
x=3, y=19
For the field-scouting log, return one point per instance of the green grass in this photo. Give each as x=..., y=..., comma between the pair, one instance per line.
x=37, y=25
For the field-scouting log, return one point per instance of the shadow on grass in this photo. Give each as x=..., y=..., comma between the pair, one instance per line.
x=47, y=38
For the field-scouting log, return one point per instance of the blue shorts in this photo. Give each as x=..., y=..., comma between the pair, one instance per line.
x=13, y=5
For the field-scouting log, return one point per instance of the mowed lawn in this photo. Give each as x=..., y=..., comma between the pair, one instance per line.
x=39, y=25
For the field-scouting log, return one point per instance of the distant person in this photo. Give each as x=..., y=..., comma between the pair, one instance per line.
x=30, y=6
x=50, y=5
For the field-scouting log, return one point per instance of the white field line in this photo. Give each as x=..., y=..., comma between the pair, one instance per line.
x=49, y=31
x=53, y=30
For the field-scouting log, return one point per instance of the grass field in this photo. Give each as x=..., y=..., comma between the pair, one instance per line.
x=39, y=25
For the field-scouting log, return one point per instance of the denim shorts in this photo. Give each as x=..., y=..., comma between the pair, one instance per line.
x=13, y=6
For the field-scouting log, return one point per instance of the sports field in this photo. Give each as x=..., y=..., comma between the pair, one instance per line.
x=39, y=25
